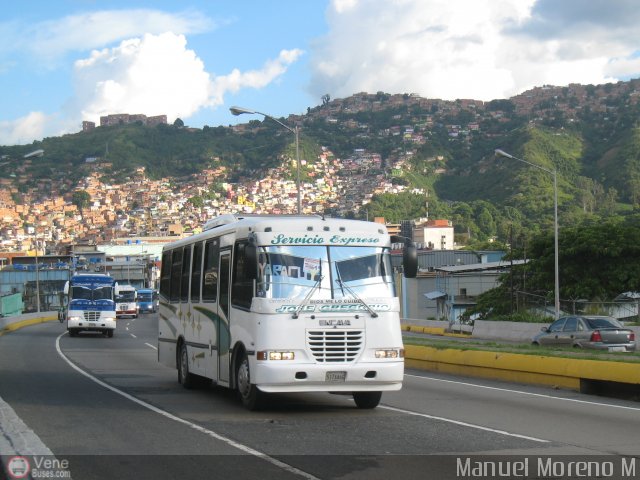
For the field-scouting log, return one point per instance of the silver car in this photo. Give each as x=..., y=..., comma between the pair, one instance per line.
x=588, y=331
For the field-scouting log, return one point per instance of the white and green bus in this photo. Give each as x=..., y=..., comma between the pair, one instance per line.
x=272, y=303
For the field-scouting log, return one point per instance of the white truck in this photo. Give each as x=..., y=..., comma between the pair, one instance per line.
x=126, y=301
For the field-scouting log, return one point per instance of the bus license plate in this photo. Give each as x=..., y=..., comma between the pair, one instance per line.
x=336, y=376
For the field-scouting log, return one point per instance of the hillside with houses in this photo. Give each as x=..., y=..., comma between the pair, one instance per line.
x=399, y=156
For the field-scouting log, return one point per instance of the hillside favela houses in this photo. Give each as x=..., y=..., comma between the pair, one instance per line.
x=35, y=275
x=124, y=225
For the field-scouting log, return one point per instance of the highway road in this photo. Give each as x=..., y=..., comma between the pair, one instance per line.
x=105, y=408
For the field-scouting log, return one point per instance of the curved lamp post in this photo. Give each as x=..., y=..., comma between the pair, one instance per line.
x=239, y=111
x=502, y=153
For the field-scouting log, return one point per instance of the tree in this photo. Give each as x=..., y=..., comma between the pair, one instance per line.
x=197, y=201
x=325, y=99
x=81, y=199
x=178, y=123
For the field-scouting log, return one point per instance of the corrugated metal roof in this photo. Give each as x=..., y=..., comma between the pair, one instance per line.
x=435, y=294
x=480, y=266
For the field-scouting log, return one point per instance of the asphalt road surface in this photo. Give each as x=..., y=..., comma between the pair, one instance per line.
x=104, y=408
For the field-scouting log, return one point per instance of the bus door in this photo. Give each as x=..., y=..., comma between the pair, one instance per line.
x=224, y=329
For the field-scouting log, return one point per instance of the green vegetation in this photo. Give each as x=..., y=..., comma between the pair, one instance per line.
x=596, y=154
x=81, y=199
x=597, y=259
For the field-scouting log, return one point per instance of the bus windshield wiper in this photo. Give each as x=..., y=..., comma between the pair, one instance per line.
x=356, y=297
x=307, y=297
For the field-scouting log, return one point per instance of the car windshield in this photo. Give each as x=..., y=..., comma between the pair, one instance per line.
x=144, y=297
x=595, y=323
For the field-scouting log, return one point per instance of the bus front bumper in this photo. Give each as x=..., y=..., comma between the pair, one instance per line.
x=274, y=377
x=100, y=324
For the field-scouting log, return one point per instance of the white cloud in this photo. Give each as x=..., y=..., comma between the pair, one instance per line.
x=159, y=75
x=482, y=49
x=152, y=75
x=236, y=80
x=623, y=67
x=81, y=32
x=24, y=129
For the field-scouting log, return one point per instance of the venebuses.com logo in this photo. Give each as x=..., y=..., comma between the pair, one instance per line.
x=37, y=467
x=18, y=467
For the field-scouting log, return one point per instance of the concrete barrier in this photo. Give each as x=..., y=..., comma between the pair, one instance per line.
x=509, y=331
x=554, y=371
x=9, y=324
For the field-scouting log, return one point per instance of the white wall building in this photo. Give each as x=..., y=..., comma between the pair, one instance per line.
x=434, y=234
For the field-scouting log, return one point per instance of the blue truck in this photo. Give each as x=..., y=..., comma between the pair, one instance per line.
x=90, y=304
x=147, y=300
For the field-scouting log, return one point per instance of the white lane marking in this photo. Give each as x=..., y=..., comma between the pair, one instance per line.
x=152, y=346
x=210, y=433
x=133, y=335
x=541, y=395
x=463, y=424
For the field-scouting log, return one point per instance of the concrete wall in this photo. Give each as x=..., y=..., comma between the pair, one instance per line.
x=8, y=324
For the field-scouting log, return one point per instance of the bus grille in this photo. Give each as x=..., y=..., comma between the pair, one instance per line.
x=335, y=346
x=91, y=316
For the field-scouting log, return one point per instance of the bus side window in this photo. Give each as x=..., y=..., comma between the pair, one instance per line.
x=210, y=273
x=185, y=274
x=196, y=272
x=165, y=275
x=241, y=286
x=176, y=274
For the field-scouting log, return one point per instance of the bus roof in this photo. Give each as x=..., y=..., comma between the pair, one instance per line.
x=92, y=279
x=303, y=224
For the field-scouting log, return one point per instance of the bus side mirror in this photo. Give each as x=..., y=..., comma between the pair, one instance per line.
x=409, y=256
x=410, y=260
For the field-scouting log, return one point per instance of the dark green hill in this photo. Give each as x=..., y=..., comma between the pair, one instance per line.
x=589, y=134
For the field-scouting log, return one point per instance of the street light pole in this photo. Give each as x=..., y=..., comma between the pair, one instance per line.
x=239, y=111
x=37, y=280
x=554, y=173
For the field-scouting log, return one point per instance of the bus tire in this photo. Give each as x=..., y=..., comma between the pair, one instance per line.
x=251, y=397
x=109, y=333
x=187, y=379
x=367, y=399
x=72, y=332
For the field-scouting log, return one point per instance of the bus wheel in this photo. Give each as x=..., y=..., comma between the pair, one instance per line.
x=72, y=332
x=367, y=399
x=249, y=394
x=184, y=377
x=109, y=333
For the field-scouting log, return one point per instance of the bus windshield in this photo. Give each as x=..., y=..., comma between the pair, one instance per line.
x=126, y=296
x=85, y=293
x=292, y=271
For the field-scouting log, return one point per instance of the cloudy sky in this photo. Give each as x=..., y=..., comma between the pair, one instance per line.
x=67, y=61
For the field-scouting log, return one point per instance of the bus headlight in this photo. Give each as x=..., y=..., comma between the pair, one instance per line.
x=390, y=353
x=268, y=355
x=74, y=319
x=110, y=319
